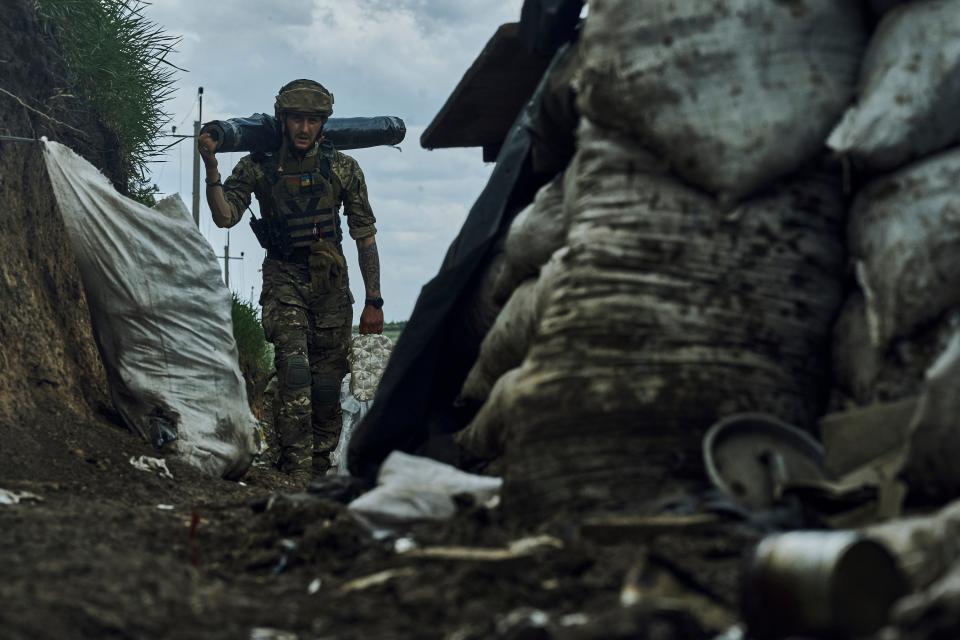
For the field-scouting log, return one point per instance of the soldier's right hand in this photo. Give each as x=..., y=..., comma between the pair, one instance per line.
x=208, y=148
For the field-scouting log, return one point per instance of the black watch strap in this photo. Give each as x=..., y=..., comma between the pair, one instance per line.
x=376, y=303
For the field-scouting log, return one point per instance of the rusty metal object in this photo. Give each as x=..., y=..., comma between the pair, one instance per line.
x=820, y=583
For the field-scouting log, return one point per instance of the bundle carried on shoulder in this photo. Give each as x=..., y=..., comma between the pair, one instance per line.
x=733, y=93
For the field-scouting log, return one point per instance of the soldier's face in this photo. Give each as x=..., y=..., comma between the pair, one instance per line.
x=303, y=130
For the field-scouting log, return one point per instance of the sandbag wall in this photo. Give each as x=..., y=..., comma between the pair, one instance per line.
x=900, y=139
x=703, y=264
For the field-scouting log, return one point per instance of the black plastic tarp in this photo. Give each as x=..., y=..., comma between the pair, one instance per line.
x=429, y=362
x=546, y=25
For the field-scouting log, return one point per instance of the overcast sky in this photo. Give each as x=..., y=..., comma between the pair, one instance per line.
x=378, y=57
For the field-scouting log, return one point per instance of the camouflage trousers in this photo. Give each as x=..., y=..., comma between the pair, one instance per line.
x=310, y=332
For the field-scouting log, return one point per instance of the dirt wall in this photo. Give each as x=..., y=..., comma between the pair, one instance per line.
x=51, y=377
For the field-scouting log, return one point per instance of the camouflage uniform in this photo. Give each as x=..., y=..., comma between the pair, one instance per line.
x=307, y=305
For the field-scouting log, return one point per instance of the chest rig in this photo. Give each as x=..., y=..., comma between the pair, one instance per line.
x=299, y=199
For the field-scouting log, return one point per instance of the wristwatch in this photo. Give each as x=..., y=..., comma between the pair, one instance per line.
x=376, y=303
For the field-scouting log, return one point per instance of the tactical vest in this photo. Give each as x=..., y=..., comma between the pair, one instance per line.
x=305, y=195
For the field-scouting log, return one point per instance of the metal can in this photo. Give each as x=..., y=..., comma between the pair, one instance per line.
x=820, y=583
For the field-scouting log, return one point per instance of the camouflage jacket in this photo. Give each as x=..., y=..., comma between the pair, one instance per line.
x=239, y=187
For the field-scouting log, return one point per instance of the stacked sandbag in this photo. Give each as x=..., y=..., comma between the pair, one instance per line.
x=904, y=238
x=508, y=341
x=733, y=93
x=909, y=89
x=864, y=374
x=672, y=311
x=482, y=306
x=535, y=233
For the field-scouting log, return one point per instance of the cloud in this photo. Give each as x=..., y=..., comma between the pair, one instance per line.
x=379, y=57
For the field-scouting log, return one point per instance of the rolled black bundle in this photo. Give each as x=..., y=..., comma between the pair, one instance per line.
x=261, y=132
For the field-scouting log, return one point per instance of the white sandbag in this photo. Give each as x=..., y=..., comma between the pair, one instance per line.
x=505, y=345
x=508, y=341
x=904, y=234
x=368, y=357
x=536, y=232
x=412, y=489
x=734, y=93
x=161, y=316
x=673, y=312
x=909, y=89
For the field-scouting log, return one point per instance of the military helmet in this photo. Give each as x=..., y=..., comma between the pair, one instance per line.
x=303, y=96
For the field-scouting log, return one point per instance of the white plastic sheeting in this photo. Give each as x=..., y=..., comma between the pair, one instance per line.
x=412, y=489
x=161, y=316
x=368, y=358
x=352, y=411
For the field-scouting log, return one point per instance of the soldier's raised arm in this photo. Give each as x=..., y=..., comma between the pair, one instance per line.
x=226, y=211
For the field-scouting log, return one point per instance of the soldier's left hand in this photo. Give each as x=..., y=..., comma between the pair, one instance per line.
x=371, y=320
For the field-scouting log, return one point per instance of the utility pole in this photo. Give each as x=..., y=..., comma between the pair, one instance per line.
x=196, y=160
x=226, y=261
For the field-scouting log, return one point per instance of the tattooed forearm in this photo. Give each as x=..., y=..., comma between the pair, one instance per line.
x=369, y=265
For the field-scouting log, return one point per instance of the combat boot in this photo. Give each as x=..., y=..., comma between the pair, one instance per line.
x=296, y=463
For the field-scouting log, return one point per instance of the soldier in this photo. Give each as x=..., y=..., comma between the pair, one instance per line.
x=306, y=299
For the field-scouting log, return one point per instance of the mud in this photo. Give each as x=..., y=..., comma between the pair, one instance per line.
x=100, y=557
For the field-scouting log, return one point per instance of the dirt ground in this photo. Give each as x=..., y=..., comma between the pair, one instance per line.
x=111, y=551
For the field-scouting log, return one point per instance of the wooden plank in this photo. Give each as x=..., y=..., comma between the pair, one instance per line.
x=490, y=95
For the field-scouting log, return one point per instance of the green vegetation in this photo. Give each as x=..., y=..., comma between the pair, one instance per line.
x=390, y=329
x=393, y=329
x=255, y=353
x=118, y=59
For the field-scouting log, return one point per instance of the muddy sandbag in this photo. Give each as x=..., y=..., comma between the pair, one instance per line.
x=482, y=305
x=904, y=234
x=931, y=613
x=734, y=93
x=934, y=447
x=536, y=232
x=508, y=341
x=909, y=89
x=673, y=312
x=925, y=546
x=485, y=437
x=161, y=316
x=864, y=374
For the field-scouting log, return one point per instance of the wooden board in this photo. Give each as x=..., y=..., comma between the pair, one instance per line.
x=490, y=95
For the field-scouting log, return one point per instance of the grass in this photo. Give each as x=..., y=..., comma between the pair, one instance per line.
x=255, y=354
x=390, y=329
x=118, y=60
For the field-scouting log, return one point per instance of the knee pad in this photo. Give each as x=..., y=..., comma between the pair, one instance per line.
x=326, y=392
x=297, y=372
